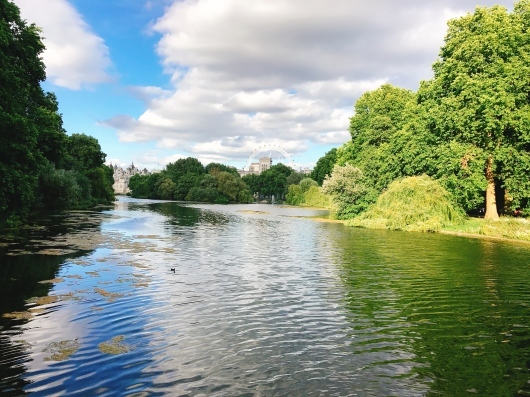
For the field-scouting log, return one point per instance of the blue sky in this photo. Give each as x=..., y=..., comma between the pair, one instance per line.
x=158, y=80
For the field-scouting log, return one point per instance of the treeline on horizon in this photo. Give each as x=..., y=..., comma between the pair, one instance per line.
x=41, y=167
x=468, y=128
x=188, y=180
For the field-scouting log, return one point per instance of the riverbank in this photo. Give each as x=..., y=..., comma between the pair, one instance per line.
x=505, y=228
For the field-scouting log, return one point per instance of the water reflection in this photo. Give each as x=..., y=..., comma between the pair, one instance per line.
x=28, y=257
x=448, y=312
x=260, y=300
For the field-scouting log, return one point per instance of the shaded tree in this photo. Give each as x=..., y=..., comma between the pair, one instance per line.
x=166, y=188
x=253, y=182
x=295, y=177
x=83, y=153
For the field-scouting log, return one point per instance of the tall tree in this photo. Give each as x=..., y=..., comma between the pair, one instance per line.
x=378, y=123
x=480, y=94
x=22, y=71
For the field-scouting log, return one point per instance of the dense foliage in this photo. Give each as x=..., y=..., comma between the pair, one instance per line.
x=188, y=180
x=347, y=186
x=273, y=182
x=324, y=166
x=480, y=96
x=41, y=167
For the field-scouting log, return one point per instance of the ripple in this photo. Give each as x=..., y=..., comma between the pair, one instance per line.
x=264, y=304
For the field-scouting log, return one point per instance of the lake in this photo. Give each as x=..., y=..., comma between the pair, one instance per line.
x=160, y=298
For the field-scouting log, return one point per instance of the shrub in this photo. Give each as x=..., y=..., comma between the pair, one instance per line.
x=416, y=203
x=348, y=188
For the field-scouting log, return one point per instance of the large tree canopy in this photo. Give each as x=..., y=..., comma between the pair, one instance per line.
x=20, y=99
x=379, y=114
x=480, y=95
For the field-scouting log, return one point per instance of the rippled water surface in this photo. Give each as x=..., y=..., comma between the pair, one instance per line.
x=257, y=300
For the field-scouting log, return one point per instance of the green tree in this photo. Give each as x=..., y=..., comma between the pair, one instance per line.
x=295, y=177
x=101, y=188
x=274, y=181
x=166, y=188
x=294, y=196
x=479, y=95
x=379, y=114
x=58, y=189
x=184, y=184
x=324, y=166
x=306, y=183
x=221, y=167
x=253, y=182
x=207, y=189
x=232, y=187
x=84, y=153
x=52, y=138
x=181, y=167
x=20, y=99
x=146, y=186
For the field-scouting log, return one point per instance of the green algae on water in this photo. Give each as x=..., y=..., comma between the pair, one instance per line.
x=52, y=281
x=111, y=296
x=114, y=346
x=61, y=350
x=18, y=315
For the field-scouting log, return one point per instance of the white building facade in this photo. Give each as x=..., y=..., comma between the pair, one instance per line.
x=122, y=177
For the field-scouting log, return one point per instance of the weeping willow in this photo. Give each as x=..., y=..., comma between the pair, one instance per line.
x=416, y=203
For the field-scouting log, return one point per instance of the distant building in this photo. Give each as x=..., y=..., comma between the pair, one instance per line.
x=264, y=164
x=122, y=177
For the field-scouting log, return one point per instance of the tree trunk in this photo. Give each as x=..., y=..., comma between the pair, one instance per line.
x=491, y=201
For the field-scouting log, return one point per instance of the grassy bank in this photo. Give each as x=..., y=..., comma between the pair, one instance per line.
x=504, y=228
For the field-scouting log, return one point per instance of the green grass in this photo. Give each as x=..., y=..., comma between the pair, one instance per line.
x=505, y=227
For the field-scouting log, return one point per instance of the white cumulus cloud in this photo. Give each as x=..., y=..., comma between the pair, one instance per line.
x=75, y=56
x=246, y=73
